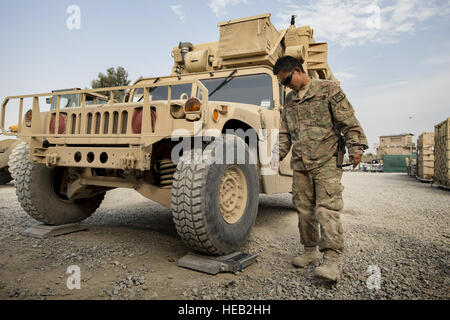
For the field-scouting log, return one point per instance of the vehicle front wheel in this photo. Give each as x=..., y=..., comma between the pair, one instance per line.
x=39, y=194
x=215, y=204
x=19, y=154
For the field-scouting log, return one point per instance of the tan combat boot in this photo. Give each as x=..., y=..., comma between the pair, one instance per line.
x=311, y=255
x=329, y=270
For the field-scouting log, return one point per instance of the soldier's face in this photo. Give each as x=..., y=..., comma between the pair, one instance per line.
x=289, y=79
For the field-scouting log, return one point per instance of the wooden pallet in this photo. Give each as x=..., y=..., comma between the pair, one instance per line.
x=442, y=153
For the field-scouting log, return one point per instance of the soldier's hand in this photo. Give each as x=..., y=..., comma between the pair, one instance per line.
x=275, y=164
x=355, y=159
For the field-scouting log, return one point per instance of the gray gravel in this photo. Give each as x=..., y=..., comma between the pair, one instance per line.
x=131, y=248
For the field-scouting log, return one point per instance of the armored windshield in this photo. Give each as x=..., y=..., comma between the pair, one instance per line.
x=161, y=93
x=74, y=100
x=67, y=101
x=250, y=89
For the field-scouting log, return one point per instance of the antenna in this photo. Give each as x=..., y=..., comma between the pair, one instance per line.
x=293, y=20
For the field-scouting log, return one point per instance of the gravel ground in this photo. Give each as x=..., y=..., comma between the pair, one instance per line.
x=131, y=248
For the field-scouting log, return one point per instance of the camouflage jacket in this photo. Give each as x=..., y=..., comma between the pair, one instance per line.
x=308, y=126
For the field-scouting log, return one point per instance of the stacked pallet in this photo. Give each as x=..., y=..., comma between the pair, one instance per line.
x=442, y=154
x=425, y=160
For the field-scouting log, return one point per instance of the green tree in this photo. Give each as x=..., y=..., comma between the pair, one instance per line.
x=113, y=78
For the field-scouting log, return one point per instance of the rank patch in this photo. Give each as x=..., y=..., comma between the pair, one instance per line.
x=338, y=97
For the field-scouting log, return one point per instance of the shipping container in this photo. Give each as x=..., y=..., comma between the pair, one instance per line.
x=395, y=163
x=442, y=153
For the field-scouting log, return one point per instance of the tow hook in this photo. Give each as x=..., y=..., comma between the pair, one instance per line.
x=51, y=159
x=128, y=161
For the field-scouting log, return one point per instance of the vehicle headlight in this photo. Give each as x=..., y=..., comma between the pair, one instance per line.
x=192, y=105
x=61, y=126
x=177, y=111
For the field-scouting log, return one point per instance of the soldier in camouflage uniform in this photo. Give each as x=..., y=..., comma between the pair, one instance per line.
x=316, y=112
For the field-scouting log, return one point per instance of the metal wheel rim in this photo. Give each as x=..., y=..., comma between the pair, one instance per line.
x=233, y=193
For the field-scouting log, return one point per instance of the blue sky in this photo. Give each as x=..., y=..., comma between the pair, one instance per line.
x=392, y=57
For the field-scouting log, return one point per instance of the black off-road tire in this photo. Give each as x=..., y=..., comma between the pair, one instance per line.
x=16, y=157
x=38, y=198
x=5, y=176
x=195, y=202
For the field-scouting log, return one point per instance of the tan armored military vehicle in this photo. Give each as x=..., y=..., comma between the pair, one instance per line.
x=220, y=96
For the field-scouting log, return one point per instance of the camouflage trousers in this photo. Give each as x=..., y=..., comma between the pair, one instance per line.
x=317, y=195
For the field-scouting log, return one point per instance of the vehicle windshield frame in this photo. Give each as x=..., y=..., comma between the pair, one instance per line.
x=218, y=76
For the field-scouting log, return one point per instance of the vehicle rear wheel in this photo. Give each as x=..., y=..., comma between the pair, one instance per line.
x=215, y=205
x=38, y=192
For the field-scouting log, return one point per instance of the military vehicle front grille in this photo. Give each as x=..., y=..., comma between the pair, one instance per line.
x=97, y=123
